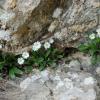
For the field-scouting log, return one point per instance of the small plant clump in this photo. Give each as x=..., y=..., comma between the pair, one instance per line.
x=92, y=47
x=42, y=55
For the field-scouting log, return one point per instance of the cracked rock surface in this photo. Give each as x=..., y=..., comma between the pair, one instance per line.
x=62, y=83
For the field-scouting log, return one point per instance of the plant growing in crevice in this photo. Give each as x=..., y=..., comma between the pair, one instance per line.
x=92, y=47
x=42, y=55
x=8, y=65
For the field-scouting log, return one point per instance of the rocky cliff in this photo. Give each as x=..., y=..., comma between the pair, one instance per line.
x=24, y=21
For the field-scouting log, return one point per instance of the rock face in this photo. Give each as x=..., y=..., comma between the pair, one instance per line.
x=63, y=83
x=24, y=21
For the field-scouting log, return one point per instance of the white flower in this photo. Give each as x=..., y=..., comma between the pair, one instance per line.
x=92, y=36
x=89, y=81
x=47, y=45
x=36, y=46
x=51, y=40
x=98, y=32
x=0, y=46
x=20, y=61
x=25, y=55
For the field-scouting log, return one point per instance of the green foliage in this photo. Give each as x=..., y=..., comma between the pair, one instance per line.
x=92, y=47
x=8, y=62
x=13, y=71
x=44, y=58
x=38, y=59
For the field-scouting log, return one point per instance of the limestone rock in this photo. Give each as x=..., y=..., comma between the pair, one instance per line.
x=75, y=65
x=63, y=83
x=98, y=71
x=57, y=13
x=27, y=21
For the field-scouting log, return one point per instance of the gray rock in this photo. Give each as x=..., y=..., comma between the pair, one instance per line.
x=57, y=13
x=86, y=63
x=54, y=85
x=27, y=21
x=98, y=71
x=74, y=65
x=5, y=35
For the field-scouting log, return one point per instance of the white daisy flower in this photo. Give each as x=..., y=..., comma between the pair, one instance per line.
x=36, y=46
x=25, y=55
x=20, y=61
x=0, y=46
x=47, y=45
x=98, y=32
x=92, y=36
x=51, y=40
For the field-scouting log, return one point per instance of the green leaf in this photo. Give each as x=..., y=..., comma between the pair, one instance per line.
x=17, y=71
x=40, y=60
x=92, y=52
x=60, y=56
x=12, y=74
x=94, y=59
x=83, y=48
x=98, y=58
x=47, y=53
x=1, y=78
x=13, y=71
x=41, y=67
x=28, y=69
x=97, y=40
x=55, y=50
x=1, y=65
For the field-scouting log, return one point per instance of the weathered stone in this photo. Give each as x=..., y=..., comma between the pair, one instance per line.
x=27, y=21
x=54, y=85
x=5, y=35
x=53, y=26
x=98, y=71
x=57, y=13
x=75, y=65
